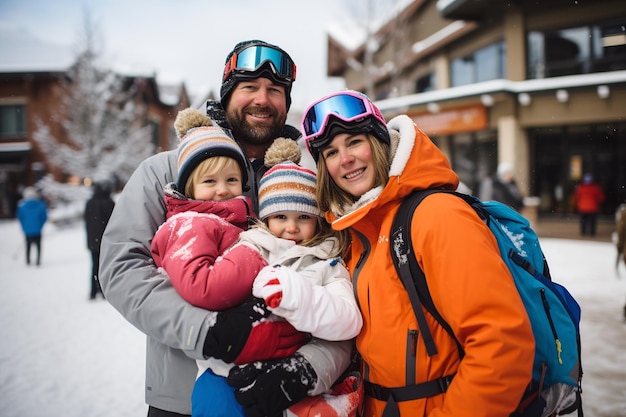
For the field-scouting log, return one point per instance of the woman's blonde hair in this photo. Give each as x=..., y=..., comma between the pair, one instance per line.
x=209, y=166
x=332, y=198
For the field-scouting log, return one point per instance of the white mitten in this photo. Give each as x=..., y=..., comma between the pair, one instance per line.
x=272, y=282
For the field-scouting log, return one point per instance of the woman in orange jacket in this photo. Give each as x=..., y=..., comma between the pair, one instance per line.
x=365, y=169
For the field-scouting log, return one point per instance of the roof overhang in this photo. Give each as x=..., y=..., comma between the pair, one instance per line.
x=15, y=147
x=470, y=9
x=504, y=86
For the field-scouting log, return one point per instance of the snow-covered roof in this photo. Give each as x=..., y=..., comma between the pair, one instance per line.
x=442, y=4
x=348, y=33
x=438, y=36
x=19, y=52
x=15, y=147
x=22, y=53
x=504, y=86
x=170, y=94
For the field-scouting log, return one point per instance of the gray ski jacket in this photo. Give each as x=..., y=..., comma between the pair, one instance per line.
x=175, y=330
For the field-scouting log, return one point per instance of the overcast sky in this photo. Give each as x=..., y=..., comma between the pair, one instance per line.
x=188, y=40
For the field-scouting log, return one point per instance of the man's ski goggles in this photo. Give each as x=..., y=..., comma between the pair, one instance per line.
x=345, y=106
x=253, y=57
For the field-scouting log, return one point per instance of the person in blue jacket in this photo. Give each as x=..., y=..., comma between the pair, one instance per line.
x=32, y=213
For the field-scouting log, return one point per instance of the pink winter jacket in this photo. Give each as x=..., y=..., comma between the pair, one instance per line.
x=194, y=247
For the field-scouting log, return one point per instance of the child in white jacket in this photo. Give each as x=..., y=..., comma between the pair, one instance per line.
x=305, y=283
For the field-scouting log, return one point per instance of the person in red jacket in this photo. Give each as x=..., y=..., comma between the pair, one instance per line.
x=588, y=198
x=365, y=168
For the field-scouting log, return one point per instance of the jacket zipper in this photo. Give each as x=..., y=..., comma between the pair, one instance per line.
x=411, y=356
x=546, y=307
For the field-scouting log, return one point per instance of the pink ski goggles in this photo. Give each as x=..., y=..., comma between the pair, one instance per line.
x=349, y=109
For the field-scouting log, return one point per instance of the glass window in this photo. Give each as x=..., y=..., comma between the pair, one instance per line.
x=13, y=121
x=154, y=134
x=578, y=50
x=462, y=71
x=425, y=83
x=609, y=46
x=536, y=54
x=485, y=64
x=474, y=156
x=490, y=62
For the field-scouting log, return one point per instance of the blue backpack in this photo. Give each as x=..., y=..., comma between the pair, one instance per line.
x=553, y=312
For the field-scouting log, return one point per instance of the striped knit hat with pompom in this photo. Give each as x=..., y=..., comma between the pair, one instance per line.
x=286, y=186
x=200, y=139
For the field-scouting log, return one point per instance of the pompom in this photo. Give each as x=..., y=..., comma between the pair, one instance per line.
x=282, y=150
x=188, y=119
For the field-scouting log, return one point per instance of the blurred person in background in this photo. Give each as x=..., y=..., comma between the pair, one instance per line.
x=502, y=188
x=32, y=212
x=588, y=197
x=98, y=210
x=620, y=238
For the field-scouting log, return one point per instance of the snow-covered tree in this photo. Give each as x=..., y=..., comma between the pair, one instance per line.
x=104, y=129
x=371, y=16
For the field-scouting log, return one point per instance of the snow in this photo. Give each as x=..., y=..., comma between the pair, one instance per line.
x=63, y=355
x=507, y=86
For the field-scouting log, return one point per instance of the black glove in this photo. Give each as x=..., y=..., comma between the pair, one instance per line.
x=228, y=336
x=267, y=388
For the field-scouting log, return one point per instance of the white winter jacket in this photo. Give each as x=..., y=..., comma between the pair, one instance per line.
x=321, y=301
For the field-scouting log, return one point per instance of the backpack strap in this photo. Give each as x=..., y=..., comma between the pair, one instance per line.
x=414, y=281
x=411, y=274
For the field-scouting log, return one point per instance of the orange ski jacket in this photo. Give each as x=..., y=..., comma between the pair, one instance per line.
x=469, y=283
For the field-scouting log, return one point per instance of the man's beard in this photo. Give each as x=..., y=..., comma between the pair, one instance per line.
x=245, y=132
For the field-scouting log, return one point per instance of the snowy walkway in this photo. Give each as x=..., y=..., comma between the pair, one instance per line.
x=62, y=355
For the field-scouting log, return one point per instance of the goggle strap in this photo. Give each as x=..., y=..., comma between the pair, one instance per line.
x=231, y=66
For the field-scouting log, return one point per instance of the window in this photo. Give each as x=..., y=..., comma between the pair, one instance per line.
x=13, y=121
x=484, y=64
x=425, y=83
x=578, y=50
x=154, y=134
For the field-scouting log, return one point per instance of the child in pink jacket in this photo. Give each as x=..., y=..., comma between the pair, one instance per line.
x=206, y=212
x=213, y=263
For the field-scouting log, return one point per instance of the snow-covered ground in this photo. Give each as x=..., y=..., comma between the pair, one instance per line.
x=63, y=355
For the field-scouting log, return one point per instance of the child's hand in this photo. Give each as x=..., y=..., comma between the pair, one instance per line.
x=269, y=284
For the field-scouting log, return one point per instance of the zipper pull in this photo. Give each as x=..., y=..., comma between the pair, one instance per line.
x=413, y=334
x=559, y=349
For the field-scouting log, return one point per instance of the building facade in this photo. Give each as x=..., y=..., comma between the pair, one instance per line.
x=28, y=96
x=540, y=85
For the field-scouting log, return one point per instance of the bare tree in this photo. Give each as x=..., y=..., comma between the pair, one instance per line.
x=372, y=15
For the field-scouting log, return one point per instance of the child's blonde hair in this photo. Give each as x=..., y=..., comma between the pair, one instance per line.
x=209, y=166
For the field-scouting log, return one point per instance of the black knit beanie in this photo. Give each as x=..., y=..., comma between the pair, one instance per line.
x=229, y=83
